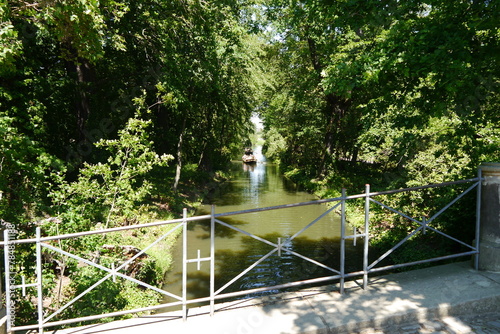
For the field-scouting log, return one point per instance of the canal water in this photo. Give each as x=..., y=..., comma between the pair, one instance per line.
x=256, y=186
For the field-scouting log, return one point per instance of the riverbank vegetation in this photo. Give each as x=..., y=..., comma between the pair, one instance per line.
x=388, y=93
x=122, y=112
x=116, y=113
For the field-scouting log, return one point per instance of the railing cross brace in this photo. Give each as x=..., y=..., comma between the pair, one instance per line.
x=23, y=285
x=282, y=244
x=198, y=260
x=355, y=236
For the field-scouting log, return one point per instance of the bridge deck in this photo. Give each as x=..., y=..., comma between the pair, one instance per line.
x=414, y=296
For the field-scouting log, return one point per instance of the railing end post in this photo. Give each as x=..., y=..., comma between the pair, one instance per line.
x=488, y=210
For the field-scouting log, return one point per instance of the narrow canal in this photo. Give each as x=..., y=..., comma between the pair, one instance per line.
x=257, y=186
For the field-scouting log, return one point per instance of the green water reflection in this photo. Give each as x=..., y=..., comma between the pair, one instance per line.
x=254, y=187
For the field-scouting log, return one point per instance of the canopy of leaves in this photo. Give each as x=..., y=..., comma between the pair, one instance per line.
x=74, y=72
x=411, y=86
x=392, y=93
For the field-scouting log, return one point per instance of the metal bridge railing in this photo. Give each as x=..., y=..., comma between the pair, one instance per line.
x=46, y=320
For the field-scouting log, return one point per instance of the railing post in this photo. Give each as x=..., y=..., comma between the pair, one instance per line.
x=184, y=264
x=8, y=302
x=279, y=247
x=489, y=235
x=212, y=261
x=478, y=218
x=367, y=234
x=342, y=242
x=39, y=280
x=424, y=224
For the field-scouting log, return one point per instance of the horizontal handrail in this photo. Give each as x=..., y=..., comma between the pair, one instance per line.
x=233, y=213
x=103, y=231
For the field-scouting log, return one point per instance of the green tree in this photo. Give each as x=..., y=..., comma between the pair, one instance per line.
x=385, y=73
x=23, y=174
x=71, y=71
x=111, y=192
x=407, y=90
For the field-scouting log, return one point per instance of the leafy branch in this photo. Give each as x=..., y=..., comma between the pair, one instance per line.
x=117, y=188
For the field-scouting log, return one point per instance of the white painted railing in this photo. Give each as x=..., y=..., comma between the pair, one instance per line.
x=339, y=274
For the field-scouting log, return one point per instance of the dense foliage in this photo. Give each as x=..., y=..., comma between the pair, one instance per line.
x=74, y=72
x=409, y=86
x=392, y=93
x=114, y=112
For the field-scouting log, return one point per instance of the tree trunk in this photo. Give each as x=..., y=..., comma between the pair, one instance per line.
x=178, y=168
x=84, y=77
x=335, y=110
x=313, y=53
x=205, y=163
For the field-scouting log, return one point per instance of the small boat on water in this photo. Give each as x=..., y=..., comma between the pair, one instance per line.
x=248, y=157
